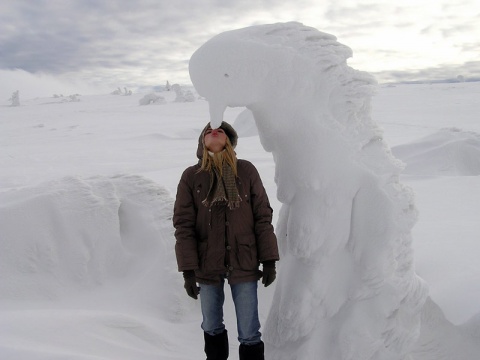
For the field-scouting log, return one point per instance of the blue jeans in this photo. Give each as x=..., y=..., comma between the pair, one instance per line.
x=245, y=299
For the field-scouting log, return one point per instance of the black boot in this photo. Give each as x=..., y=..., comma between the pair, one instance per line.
x=216, y=347
x=252, y=352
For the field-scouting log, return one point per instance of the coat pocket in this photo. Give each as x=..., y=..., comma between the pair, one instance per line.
x=211, y=259
x=247, y=252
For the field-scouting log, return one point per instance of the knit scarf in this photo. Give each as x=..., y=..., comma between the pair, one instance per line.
x=223, y=188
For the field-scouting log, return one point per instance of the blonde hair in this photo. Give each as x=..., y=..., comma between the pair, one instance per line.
x=217, y=159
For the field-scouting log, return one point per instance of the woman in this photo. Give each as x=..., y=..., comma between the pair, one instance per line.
x=223, y=223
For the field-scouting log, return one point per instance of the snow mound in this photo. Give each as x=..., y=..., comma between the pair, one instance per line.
x=73, y=236
x=40, y=335
x=441, y=340
x=447, y=152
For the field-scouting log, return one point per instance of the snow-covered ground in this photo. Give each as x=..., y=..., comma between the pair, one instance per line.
x=87, y=268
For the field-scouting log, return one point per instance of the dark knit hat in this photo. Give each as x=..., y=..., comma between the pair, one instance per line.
x=229, y=131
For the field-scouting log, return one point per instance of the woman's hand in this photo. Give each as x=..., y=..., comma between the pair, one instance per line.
x=269, y=273
x=191, y=284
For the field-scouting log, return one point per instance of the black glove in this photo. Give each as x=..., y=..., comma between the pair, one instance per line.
x=191, y=284
x=269, y=272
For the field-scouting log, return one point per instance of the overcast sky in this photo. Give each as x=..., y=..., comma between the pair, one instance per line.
x=146, y=42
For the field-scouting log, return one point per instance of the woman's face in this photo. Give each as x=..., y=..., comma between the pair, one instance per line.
x=215, y=140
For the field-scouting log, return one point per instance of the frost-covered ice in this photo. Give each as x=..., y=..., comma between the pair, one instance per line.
x=86, y=189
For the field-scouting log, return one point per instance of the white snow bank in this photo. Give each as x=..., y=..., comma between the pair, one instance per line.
x=88, y=272
x=440, y=340
x=59, y=334
x=76, y=236
x=448, y=216
x=447, y=152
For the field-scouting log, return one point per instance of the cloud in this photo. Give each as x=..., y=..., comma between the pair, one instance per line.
x=151, y=41
x=56, y=38
x=59, y=37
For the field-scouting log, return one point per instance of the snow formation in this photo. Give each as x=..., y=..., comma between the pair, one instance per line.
x=347, y=288
x=71, y=236
x=450, y=151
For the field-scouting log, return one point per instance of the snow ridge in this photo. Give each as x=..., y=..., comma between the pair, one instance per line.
x=450, y=151
x=74, y=235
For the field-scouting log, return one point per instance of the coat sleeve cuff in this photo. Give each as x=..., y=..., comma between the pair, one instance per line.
x=269, y=263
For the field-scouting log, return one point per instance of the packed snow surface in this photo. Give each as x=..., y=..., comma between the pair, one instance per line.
x=86, y=194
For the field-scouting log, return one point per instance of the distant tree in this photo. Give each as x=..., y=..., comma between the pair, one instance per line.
x=167, y=86
x=460, y=78
x=127, y=92
x=15, y=99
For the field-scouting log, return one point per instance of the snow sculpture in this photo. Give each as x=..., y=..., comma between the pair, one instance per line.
x=347, y=288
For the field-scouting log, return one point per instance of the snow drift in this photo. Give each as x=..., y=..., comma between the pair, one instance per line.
x=73, y=235
x=448, y=152
x=101, y=246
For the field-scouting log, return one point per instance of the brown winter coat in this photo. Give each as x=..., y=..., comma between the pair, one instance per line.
x=215, y=241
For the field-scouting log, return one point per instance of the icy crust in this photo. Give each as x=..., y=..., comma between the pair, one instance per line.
x=347, y=288
x=100, y=235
